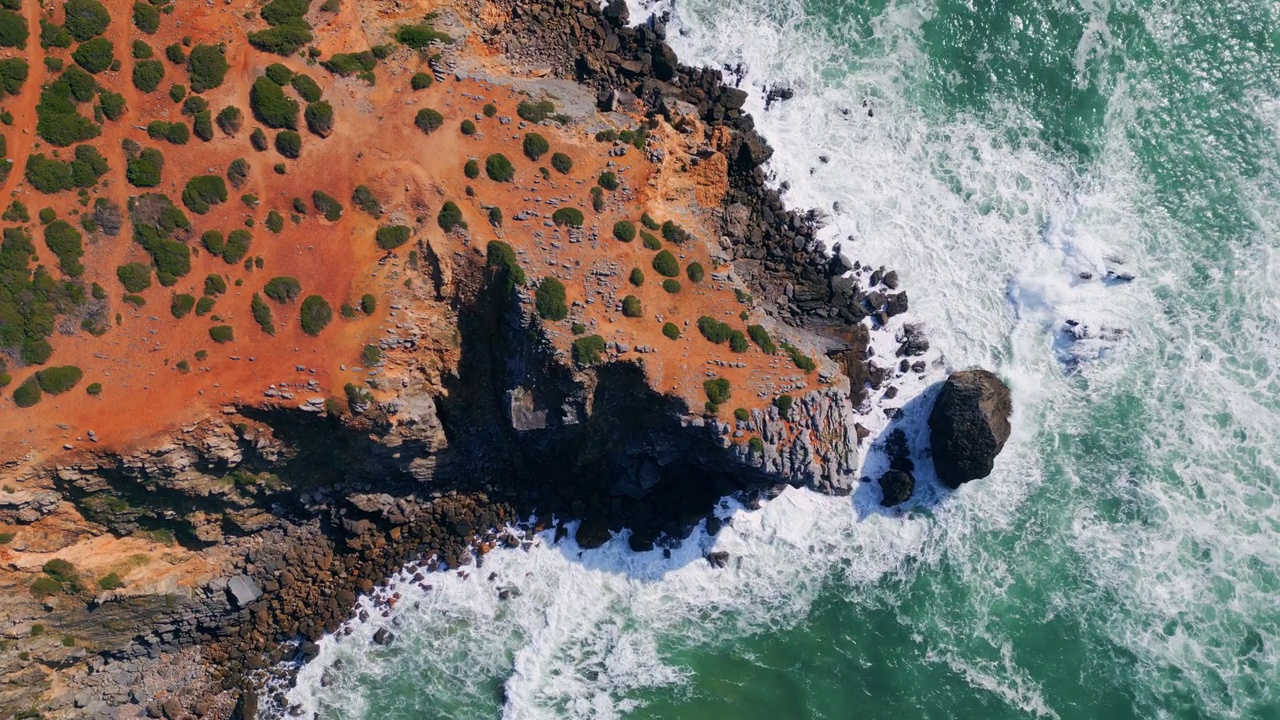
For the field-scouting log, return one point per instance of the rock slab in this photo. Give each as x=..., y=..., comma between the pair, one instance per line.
x=969, y=425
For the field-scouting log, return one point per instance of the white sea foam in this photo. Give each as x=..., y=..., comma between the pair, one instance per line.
x=1174, y=555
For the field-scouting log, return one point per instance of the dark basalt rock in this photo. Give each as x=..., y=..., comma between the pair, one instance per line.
x=969, y=425
x=897, y=487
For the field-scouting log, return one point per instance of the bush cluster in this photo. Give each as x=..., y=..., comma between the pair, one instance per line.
x=202, y=192
x=364, y=199
x=568, y=216
x=390, y=237
x=64, y=241
x=95, y=55
x=450, y=217
x=283, y=289
x=271, y=106
x=135, y=276
x=718, y=391
x=535, y=111
x=146, y=17
x=237, y=247
x=289, y=144
x=608, y=180
x=207, y=65
x=173, y=132
x=549, y=299
x=147, y=75
x=316, y=314
x=421, y=35
x=307, y=88
x=13, y=30
x=326, y=205
x=85, y=19
x=665, y=263
x=761, y=338
x=674, y=233
x=144, y=168
x=588, y=350
x=348, y=64
x=181, y=305
x=214, y=284
x=13, y=75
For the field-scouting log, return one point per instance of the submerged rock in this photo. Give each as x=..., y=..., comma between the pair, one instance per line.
x=969, y=425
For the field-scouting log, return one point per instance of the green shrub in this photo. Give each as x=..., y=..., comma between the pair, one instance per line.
x=181, y=305
x=535, y=146
x=53, y=36
x=319, y=117
x=214, y=284
x=213, y=242
x=390, y=237
x=262, y=314
x=562, y=163
x=568, y=216
x=48, y=176
x=279, y=74
x=671, y=330
x=695, y=272
x=674, y=233
x=16, y=212
x=258, y=139
x=146, y=17
x=307, y=88
x=450, y=217
x=637, y=277
x=802, y=361
x=238, y=242
x=28, y=393
x=238, y=173
x=13, y=30
x=588, y=350
x=94, y=389
x=112, y=104
x=761, y=338
x=230, y=120
x=36, y=352
x=177, y=91
x=57, y=380
x=204, y=306
x=648, y=221
x=208, y=67
x=274, y=222
x=289, y=144
x=285, y=39
x=489, y=110
x=608, y=180
x=202, y=126
x=371, y=355
x=283, y=289
x=714, y=330
x=202, y=192
x=362, y=197
x=142, y=51
x=756, y=445
x=368, y=304
x=651, y=242
x=421, y=81
x=468, y=127
x=717, y=390
x=631, y=306
x=471, y=169
x=347, y=64
x=270, y=105
x=222, y=334
x=173, y=132
x=535, y=112
x=666, y=265
x=624, y=230
x=176, y=54
x=671, y=286
x=13, y=75
x=326, y=205
x=428, y=120
x=550, y=300
x=420, y=36
x=111, y=581
x=95, y=55
x=147, y=75
x=501, y=259
x=499, y=168
x=597, y=199
x=495, y=216
x=65, y=242
x=85, y=19
x=135, y=276
x=144, y=169
x=783, y=403
x=280, y=12
x=316, y=314
x=194, y=105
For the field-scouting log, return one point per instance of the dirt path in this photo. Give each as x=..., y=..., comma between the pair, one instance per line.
x=23, y=107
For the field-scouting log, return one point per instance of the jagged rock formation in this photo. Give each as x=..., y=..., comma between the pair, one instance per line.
x=969, y=425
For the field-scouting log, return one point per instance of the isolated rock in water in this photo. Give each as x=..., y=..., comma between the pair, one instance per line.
x=969, y=425
x=897, y=487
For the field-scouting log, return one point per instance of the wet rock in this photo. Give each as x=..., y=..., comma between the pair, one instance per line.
x=718, y=559
x=969, y=425
x=897, y=487
x=383, y=636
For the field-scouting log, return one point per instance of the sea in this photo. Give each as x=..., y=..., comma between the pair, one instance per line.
x=1084, y=197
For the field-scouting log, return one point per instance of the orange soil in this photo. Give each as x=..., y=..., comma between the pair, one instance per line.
x=375, y=143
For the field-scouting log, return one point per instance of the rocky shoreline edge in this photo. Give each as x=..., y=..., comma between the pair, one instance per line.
x=335, y=509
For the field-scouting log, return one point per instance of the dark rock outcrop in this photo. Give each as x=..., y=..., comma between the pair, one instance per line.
x=969, y=425
x=897, y=487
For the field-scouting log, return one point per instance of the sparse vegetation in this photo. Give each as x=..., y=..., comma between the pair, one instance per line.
x=316, y=314
x=802, y=361
x=364, y=199
x=550, y=299
x=608, y=180
x=761, y=338
x=390, y=237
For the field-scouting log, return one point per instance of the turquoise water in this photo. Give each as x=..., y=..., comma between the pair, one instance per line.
x=1124, y=559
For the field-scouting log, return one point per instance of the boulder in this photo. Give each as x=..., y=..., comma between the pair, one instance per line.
x=969, y=425
x=897, y=487
x=243, y=590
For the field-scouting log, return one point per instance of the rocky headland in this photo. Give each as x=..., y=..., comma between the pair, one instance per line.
x=239, y=537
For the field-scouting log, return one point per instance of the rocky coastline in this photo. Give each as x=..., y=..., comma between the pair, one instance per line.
x=322, y=509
